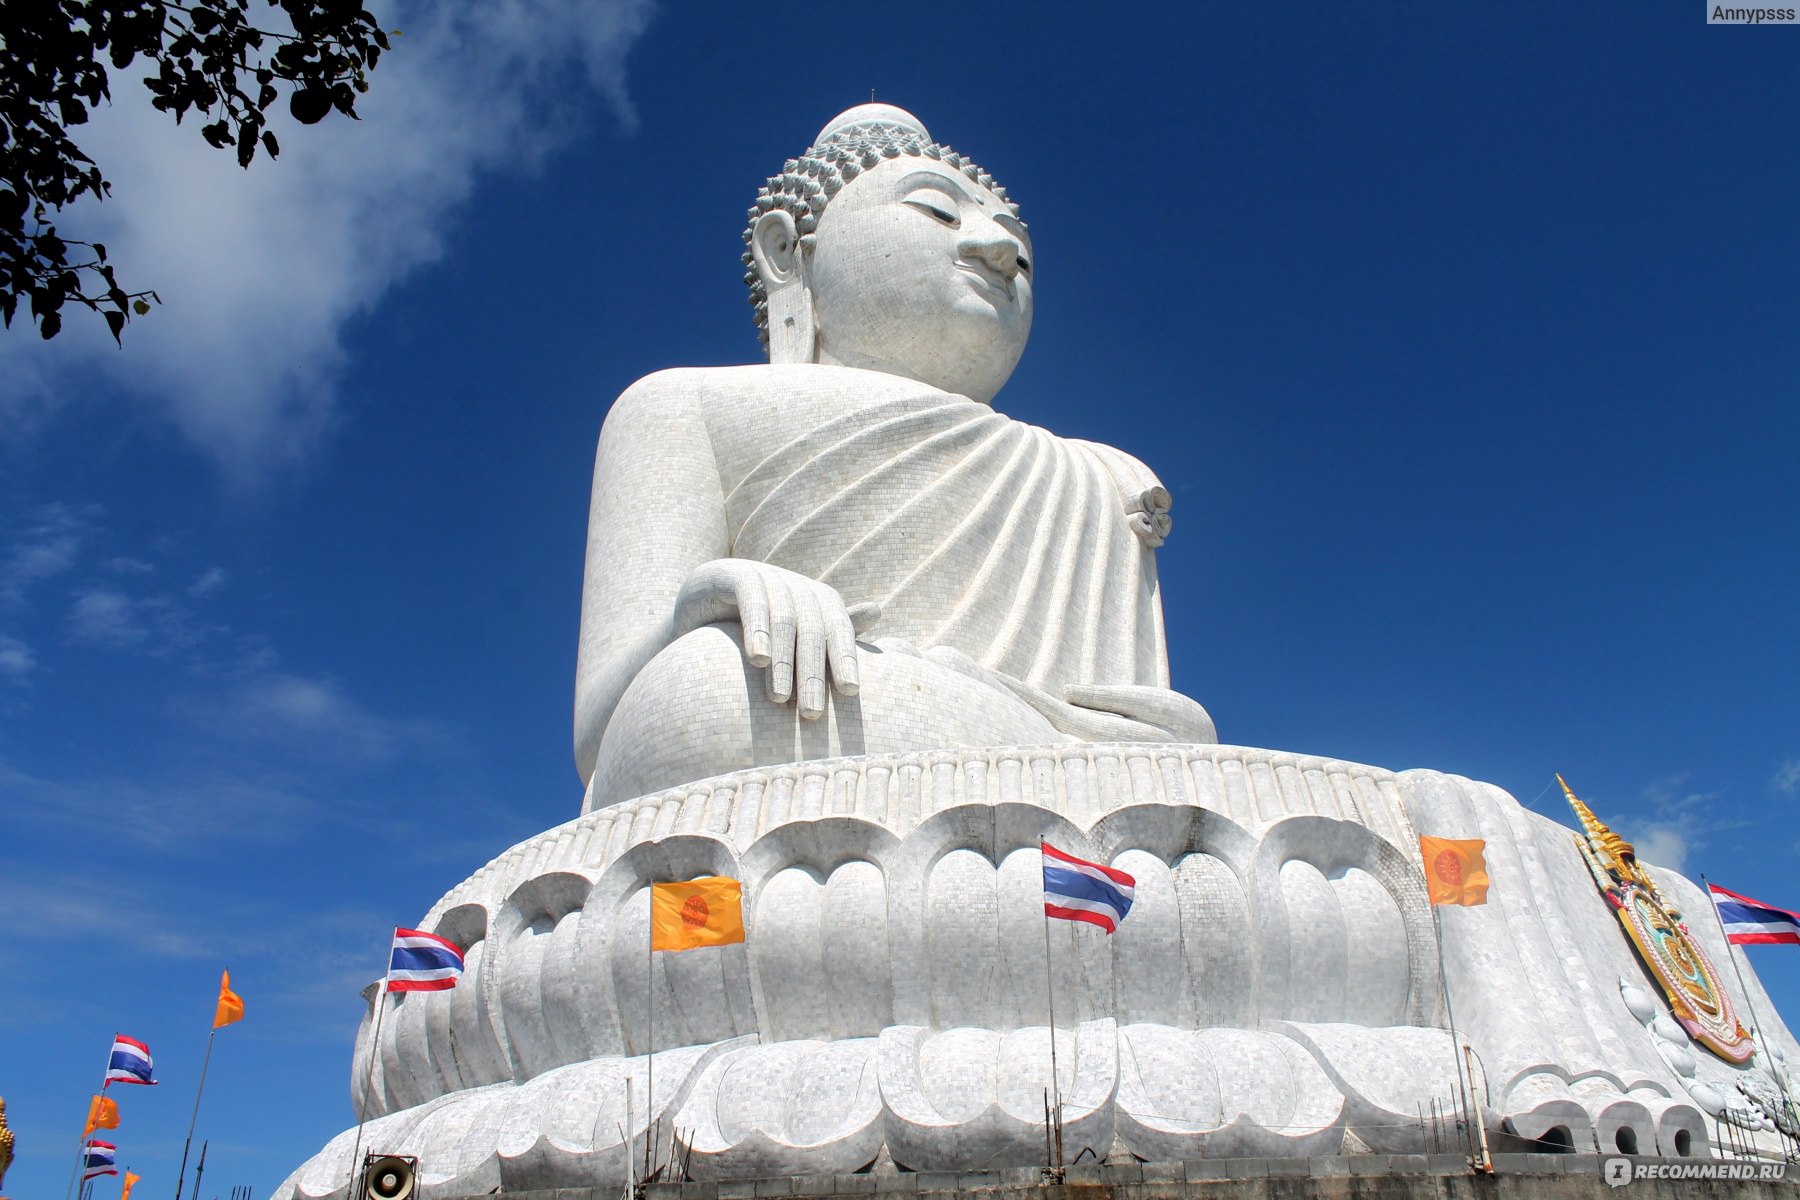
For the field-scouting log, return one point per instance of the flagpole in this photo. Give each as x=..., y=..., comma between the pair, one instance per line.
x=81, y=1146
x=1462, y=1096
x=650, y=1021
x=181, y=1177
x=1050, y=991
x=625, y=1141
x=362, y=1110
x=1749, y=1002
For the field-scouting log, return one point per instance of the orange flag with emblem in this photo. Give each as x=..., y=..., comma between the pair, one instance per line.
x=231, y=1005
x=130, y=1181
x=103, y=1113
x=700, y=912
x=1455, y=870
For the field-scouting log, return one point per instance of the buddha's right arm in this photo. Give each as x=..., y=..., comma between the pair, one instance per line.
x=657, y=513
x=658, y=567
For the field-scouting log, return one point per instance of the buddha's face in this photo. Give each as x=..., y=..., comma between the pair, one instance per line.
x=916, y=270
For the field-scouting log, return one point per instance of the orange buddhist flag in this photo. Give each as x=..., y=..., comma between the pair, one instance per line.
x=130, y=1179
x=231, y=1005
x=1455, y=870
x=700, y=912
x=103, y=1113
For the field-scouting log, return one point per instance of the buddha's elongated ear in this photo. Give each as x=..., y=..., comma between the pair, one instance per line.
x=775, y=247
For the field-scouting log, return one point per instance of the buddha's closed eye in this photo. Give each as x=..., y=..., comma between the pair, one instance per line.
x=933, y=211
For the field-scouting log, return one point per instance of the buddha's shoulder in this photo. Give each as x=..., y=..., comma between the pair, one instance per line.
x=763, y=387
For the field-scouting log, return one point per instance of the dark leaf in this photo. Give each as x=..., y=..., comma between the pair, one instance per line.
x=100, y=251
x=309, y=106
x=50, y=326
x=246, y=144
x=115, y=321
x=271, y=145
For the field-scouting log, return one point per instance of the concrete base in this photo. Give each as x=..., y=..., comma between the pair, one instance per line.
x=1353, y=1177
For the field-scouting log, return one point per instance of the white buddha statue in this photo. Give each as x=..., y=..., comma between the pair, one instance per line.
x=749, y=522
x=853, y=637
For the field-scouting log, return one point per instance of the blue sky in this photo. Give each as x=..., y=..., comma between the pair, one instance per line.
x=1464, y=337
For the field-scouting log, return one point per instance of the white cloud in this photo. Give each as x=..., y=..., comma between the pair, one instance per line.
x=1664, y=845
x=259, y=270
x=73, y=909
x=1681, y=822
x=47, y=547
x=196, y=813
x=315, y=715
x=16, y=660
x=158, y=625
x=106, y=618
x=210, y=581
x=1787, y=780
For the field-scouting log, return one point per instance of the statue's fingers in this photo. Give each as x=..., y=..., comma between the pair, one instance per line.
x=865, y=616
x=840, y=649
x=781, y=637
x=809, y=653
x=753, y=616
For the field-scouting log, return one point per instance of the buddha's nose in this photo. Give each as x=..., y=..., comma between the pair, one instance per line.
x=998, y=251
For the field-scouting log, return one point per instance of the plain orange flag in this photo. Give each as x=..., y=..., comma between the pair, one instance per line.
x=1455, y=871
x=700, y=912
x=129, y=1180
x=231, y=1005
x=103, y=1113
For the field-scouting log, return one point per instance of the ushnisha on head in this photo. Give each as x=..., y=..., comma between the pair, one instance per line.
x=882, y=250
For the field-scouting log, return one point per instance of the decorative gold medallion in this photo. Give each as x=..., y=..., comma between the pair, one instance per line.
x=1686, y=975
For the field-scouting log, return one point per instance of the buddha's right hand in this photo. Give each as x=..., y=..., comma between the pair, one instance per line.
x=793, y=625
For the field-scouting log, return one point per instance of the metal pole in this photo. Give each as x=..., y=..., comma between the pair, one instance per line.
x=1055, y=1082
x=81, y=1146
x=200, y=1170
x=181, y=1177
x=362, y=1110
x=1450, y=1013
x=650, y=1123
x=1749, y=1003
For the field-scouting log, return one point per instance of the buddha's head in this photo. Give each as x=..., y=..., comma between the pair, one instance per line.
x=880, y=249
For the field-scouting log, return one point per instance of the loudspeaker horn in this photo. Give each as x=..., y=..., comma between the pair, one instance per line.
x=390, y=1176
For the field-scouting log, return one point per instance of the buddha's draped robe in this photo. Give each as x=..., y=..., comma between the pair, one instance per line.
x=972, y=530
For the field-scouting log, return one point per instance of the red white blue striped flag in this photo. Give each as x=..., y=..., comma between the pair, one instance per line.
x=1078, y=890
x=130, y=1062
x=98, y=1158
x=1750, y=922
x=423, y=962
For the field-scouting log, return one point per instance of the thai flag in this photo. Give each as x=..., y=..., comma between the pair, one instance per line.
x=1078, y=890
x=98, y=1158
x=130, y=1062
x=1751, y=922
x=423, y=962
